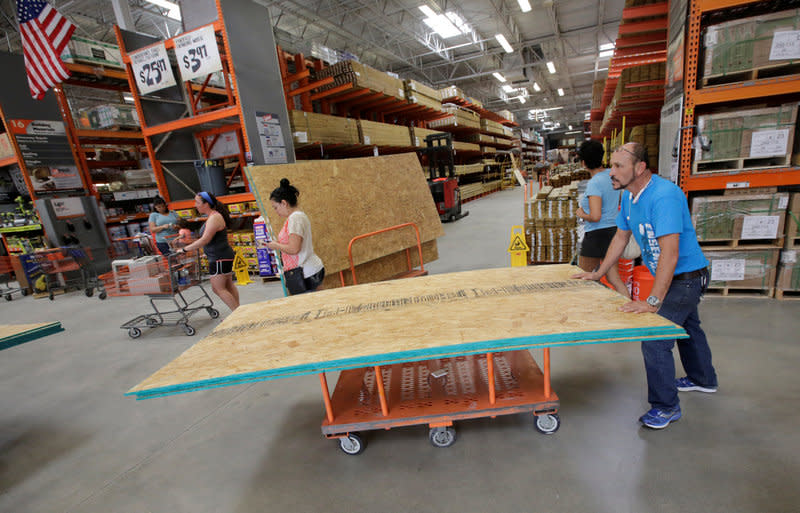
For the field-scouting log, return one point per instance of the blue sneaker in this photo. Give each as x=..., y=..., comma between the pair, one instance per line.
x=657, y=418
x=687, y=385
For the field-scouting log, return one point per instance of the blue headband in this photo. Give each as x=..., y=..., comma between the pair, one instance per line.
x=205, y=196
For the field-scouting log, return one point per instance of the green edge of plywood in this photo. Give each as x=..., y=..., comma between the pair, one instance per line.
x=27, y=336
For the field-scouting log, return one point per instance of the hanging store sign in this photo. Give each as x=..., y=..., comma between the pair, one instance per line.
x=197, y=53
x=151, y=68
x=271, y=137
x=67, y=208
x=47, y=154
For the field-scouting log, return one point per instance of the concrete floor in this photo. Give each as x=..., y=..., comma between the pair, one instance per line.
x=70, y=441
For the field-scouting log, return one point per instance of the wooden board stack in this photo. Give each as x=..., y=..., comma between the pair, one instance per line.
x=418, y=136
x=405, y=320
x=461, y=118
x=361, y=75
x=383, y=134
x=310, y=127
x=419, y=93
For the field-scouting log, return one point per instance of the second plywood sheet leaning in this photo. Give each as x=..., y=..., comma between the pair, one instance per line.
x=350, y=197
x=405, y=320
x=15, y=334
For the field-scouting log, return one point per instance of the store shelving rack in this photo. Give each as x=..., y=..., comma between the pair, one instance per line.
x=720, y=94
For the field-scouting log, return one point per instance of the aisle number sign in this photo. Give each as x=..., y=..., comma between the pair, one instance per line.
x=197, y=53
x=151, y=69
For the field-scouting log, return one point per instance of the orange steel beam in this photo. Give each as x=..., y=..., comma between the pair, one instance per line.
x=308, y=87
x=644, y=11
x=109, y=134
x=632, y=51
x=642, y=26
x=644, y=58
x=642, y=39
x=381, y=391
x=712, y=5
x=305, y=100
x=328, y=92
x=347, y=96
x=177, y=124
x=230, y=198
x=21, y=161
x=747, y=90
x=326, y=397
x=295, y=77
x=767, y=178
x=689, y=90
x=97, y=71
x=490, y=377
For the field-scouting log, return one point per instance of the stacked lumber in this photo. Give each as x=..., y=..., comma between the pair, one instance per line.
x=487, y=125
x=465, y=146
x=309, y=127
x=550, y=224
x=461, y=118
x=418, y=136
x=361, y=75
x=325, y=331
x=451, y=92
x=382, y=134
x=419, y=93
x=467, y=169
x=647, y=136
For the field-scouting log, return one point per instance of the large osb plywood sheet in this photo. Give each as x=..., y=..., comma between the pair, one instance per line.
x=14, y=334
x=384, y=268
x=406, y=320
x=350, y=197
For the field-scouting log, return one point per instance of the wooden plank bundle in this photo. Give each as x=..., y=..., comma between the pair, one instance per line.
x=419, y=93
x=487, y=125
x=15, y=334
x=350, y=197
x=310, y=127
x=405, y=320
x=383, y=134
x=418, y=136
x=361, y=75
x=461, y=118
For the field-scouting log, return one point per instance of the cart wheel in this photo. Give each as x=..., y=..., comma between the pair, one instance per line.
x=51, y=296
x=442, y=437
x=352, y=444
x=8, y=297
x=103, y=295
x=134, y=332
x=24, y=292
x=547, y=423
x=212, y=312
x=89, y=292
x=188, y=330
x=151, y=323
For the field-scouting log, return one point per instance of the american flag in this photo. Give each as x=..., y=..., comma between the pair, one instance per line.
x=44, y=33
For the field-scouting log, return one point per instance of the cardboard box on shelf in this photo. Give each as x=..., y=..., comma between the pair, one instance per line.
x=743, y=269
x=88, y=51
x=789, y=271
x=740, y=217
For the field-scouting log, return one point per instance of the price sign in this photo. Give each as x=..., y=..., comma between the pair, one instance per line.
x=785, y=45
x=769, y=143
x=197, y=53
x=728, y=269
x=760, y=227
x=152, y=69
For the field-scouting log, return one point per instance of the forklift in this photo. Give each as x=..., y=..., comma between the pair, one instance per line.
x=443, y=181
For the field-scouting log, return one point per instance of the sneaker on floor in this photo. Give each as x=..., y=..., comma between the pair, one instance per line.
x=687, y=385
x=657, y=418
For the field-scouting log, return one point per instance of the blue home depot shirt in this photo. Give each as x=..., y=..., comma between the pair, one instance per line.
x=600, y=185
x=661, y=209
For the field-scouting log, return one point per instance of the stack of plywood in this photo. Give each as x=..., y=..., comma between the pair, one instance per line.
x=550, y=224
x=487, y=125
x=418, y=136
x=451, y=92
x=749, y=44
x=478, y=138
x=383, y=134
x=419, y=93
x=507, y=114
x=461, y=118
x=647, y=135
x=309, y=127
x=467, y=169
x=598, y=86
x=391, y=190
x=465, y=146
x=361, y=75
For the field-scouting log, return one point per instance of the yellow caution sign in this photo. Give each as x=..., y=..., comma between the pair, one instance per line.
x=240, y=269
x=518, y=247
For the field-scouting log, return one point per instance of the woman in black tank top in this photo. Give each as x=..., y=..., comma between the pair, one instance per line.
x=214, y=241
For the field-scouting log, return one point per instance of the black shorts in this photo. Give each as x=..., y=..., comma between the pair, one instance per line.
x=596, y=242
x=216, y=267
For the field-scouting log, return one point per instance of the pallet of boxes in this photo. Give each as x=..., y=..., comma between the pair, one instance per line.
x=787, y=285
x=551, y=224
x=742, y=236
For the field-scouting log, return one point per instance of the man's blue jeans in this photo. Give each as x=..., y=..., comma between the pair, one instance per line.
x=680, y=307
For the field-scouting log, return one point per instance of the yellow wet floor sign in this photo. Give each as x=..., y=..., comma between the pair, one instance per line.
x=240, y=269
x=518, y=247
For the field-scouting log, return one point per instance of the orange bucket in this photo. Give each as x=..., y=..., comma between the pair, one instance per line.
x=625, y=272
x=642, y=283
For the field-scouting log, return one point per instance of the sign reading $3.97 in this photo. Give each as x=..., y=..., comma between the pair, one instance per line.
x=197, y=53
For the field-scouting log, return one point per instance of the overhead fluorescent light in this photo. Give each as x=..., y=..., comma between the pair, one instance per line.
x=586, y=116
x=569, y=126
x=560, y=92
x=127, y=97
x=427, y=11
x=524, y=5
x=607, y=46
x=605, y=53
x=536, y=87
x=507, y=88
x=551, y=67
x=173, y=9
x=460, y=24
x=522, y=99
x=499, y=77
x=442, y=26
x=573, y=131
x=504, y=43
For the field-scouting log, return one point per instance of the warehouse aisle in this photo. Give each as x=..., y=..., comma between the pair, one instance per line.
x=71, y=442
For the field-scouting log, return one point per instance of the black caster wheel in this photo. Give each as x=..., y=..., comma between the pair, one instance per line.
x=213, y=312
x=89, y=292
x=188, y=330
x=8, y=297
x=352, y=444
x=548, y=423
x=51, y=296
x=442, y=436
x=103, y=295
x=134, y=332
x=24, y=292
x=151, y=323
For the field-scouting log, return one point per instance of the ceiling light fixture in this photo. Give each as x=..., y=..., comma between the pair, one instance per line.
x=173, y=9
x=499, y=77
x=504, y=43
x=605, y=53
x=560, y=92
x=522, y=99
x=507, y=88
x=442, y=26
x=427, y=11
x=607, y=46
x=536, y=87
x=524, y=5
x=551, y=67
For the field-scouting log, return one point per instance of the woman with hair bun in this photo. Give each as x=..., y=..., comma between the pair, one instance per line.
x=214, y=241
x=294, y=240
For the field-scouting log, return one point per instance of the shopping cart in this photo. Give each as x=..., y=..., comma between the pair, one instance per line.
x=145, y=272
x=67, y=268
x=7, y=277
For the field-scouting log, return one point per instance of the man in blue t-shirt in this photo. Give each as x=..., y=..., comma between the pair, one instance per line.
x=655, y=211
